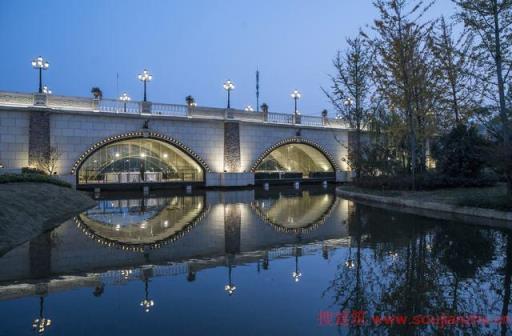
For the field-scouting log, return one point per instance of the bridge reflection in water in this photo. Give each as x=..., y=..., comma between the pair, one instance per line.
x=203, y=263
x=118, y=238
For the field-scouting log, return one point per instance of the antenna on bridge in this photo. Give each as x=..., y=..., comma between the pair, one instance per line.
x=257, y=90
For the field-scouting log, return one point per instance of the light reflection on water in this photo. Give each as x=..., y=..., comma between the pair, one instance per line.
x=253, y=262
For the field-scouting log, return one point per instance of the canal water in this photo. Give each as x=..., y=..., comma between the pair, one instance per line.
x=256, y=262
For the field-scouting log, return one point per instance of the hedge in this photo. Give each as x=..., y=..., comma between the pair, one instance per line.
x=36, y=178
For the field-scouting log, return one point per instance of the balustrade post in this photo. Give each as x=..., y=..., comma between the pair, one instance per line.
x=145, y=107
x=40, y=99
x=264, y=109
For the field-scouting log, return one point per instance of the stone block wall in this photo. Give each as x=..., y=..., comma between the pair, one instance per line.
x=231, y=147
x=14, y=133
x=39, y=136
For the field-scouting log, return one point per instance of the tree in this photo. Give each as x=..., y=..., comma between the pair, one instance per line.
x=351, y=91
x=462, y=152
x=491, y=22
x=47, y=161
x=402, y=69
x=97, y=93
x=455, y=62
x=190, y=100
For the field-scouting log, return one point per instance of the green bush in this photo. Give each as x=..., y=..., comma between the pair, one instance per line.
x=423, y=182
x=36, y=178
x=28, y=170
x=461, y=153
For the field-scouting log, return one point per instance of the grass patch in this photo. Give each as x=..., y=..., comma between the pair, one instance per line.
x=494, y=198
x=375, y=192
x=34, y=178
x=501, y=203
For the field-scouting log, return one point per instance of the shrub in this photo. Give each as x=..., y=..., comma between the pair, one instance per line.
x=461, y=153
x=29, y=170
x=424, y=182
x=36, y=178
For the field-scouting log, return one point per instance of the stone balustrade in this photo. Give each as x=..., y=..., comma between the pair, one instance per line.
x=17, y=99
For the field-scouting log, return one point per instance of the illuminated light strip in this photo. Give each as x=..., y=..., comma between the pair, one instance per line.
x=307, y=229
x=88, y=232
x=131, y=135
x=292, y=141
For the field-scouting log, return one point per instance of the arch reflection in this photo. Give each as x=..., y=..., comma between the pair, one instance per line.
x=295, y=212
x=139, y=224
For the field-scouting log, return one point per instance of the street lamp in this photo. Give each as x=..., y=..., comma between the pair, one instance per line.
x=40, y=64
x=348, y=102
x=147, y=303
x=296, y=274
x=296, y=96
x=41, y=323
x=145, y=77
x=124, y=98
x=249, y=109
x=228, y=86
x=46, y=90
x=230, y=287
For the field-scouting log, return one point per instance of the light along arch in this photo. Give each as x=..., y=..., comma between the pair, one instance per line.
x=298, y=141
x=325, y=211
x=174, y=144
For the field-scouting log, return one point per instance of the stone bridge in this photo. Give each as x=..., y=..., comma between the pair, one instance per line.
x=110, y=143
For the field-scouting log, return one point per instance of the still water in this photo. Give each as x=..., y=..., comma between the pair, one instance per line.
x=256, y=262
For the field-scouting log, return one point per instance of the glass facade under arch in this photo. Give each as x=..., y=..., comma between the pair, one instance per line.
x=296, y=159
x=139, y=160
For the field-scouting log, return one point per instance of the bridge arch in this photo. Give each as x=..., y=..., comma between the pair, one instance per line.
x=139, y=157
x=287, y=154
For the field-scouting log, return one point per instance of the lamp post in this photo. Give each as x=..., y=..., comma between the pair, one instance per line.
x=230, y=287
x=41, y=323
x=124, y=98
x=296, y=96
x=145, y=77
x=348, y=102
x=228, y=86
x=46, y=90
x=40, y=64
x=296, y=274
x=147, y=303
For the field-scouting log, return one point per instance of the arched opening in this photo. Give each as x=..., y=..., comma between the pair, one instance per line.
x=295, y=161
x=139, y=160
x=138, y=224
x=295, y=212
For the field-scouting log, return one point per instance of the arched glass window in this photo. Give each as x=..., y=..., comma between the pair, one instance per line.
x=142, y=222
x=296, y=158
x=139, y=160
x=295, y=213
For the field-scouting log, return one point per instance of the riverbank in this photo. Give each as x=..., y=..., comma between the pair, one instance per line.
x=28, y=209
x=490, y=202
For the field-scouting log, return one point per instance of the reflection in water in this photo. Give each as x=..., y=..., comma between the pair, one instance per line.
x=295, y=212
x=342, y=277
x=138, y=224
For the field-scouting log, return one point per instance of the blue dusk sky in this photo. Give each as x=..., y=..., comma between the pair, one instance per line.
x=190, y=47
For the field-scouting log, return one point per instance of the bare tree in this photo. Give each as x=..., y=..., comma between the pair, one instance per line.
x=48, y=161
x=456, y=66
x=351, y=90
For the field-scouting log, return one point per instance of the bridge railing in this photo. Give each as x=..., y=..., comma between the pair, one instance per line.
x=280, y=118
x=134, y=107
x=311, y=120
